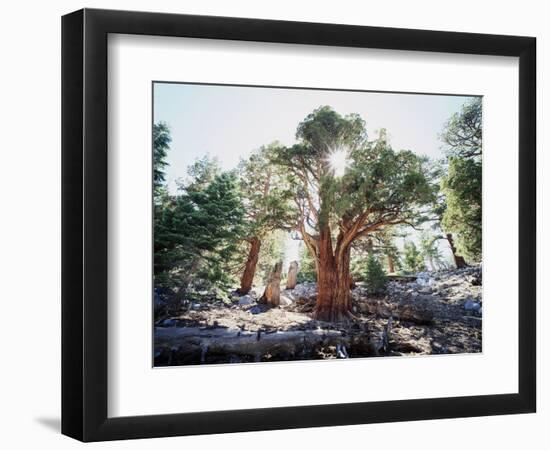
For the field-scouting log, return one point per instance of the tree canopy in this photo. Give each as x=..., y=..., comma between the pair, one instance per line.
x=346, y=187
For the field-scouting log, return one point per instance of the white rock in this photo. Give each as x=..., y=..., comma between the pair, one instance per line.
x=246, y=300
x=285, y=300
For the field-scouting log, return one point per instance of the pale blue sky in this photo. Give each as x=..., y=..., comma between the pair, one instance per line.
x=228, y=122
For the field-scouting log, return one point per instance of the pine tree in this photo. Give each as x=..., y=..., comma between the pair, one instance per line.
x=161, y=144
x=413, y=259
x=375, y=278
x=198, y=230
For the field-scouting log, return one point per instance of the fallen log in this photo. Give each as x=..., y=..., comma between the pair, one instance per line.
x=244, y=343
x=401, y=278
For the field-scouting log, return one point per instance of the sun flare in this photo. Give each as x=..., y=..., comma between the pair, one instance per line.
x=338, y=161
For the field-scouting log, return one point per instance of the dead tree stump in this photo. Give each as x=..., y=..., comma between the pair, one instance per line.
x=272, y=293
x=292, y=275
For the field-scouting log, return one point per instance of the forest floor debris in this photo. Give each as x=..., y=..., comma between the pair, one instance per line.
x=436, y=313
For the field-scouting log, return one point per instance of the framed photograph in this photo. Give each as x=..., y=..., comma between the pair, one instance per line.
x=273, y=225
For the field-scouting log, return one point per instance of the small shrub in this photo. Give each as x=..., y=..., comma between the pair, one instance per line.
x=414, y=261
x=375, y=277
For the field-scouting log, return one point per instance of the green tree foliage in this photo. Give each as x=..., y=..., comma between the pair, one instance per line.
x=379, y=186
x=161, y=144
x=430, y=250
x=306, y=264
x=200, y=174
x=360, y=251
x=264, y=192
x=462, y=187
x=438, y=208
x=267, y=207
x=197, y=235
x=412, y=258
x=374, y=276
x=385, y=249
x=197, y=231
x=273, y=250
x=394, y=264
x=382, y=247
x=462, y=184
x=463, y=131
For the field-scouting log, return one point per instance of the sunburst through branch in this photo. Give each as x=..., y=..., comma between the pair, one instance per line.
x=338, y=161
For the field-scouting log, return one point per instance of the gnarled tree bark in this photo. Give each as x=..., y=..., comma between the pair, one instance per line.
x=334, y=280
x=250, y=266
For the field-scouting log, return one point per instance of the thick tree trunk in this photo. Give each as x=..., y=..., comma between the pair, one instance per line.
x=391, y=264
x=250, y=267
x=272, y=293
x=460, y=262
x=292, y=275
x=333, y=282
x=344, y=281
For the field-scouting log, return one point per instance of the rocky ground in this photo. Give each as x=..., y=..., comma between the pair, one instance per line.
x=432, y=313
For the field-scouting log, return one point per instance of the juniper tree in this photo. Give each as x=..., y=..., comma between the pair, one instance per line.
x=346, y=187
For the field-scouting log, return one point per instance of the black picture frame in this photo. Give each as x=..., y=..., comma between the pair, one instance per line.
x=84, y=224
